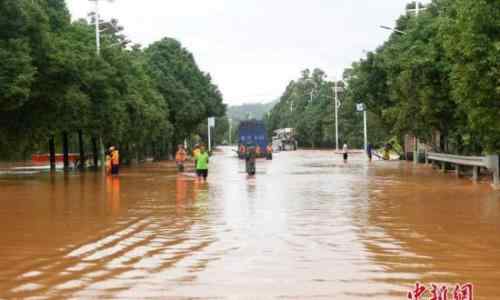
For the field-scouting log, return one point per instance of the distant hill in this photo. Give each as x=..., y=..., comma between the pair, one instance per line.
x=250, y=110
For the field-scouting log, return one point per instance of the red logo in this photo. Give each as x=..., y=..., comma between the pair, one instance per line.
x=460, y=292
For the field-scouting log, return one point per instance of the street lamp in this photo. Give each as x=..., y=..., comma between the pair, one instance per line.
x=417, y=10
x=98, y=51
x=97, y=30
x=392, y=29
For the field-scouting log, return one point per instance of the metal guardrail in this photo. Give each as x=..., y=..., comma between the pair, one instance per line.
x=490, y=162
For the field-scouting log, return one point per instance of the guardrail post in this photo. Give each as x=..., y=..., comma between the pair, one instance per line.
x=492, y=162
x=475, y=173
x=496, y=180
x=443, y=167
x=457, y=169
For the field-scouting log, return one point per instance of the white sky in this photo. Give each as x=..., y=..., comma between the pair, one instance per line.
x=253, y=48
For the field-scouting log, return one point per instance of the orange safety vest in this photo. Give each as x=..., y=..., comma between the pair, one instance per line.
x=180, y=156
x=115, y=157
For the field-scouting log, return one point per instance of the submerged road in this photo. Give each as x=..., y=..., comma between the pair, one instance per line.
x=307, y=227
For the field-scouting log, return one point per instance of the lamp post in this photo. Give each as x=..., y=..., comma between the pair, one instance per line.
x=98, y=51
x=392, y=29
x=417, y=10
x=416, y=148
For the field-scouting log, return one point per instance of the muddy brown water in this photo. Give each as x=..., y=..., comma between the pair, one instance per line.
x=307, y=227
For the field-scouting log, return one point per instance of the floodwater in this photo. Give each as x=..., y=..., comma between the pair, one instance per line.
x=307, y=227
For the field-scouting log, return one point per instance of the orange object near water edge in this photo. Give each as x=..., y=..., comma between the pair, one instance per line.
x=181, y=155
x=45, y=158
x=115, y=157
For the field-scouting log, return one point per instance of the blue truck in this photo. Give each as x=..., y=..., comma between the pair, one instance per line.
x=252, y=133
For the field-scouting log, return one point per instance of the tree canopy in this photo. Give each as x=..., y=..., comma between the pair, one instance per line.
x=52, y=81
x=441, y=76
x=438, y=76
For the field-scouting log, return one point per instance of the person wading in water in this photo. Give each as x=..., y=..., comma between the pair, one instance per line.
x=115, y=161
x=269, y=152
x=369, y=151
x=180, y=158
x=345, y=152
x=250, y=160
x=202, y=161
x=196, y=152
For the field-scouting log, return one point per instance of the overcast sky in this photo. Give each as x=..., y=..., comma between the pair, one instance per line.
x=253, y=48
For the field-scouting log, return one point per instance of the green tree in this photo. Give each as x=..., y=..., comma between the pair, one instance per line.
x=184, y=87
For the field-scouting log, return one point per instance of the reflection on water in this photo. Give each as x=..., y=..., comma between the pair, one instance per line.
x=307, y=227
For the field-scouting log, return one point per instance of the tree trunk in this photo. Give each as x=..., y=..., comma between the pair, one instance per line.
x=52, y=153
x=95, y=152
x=154, y=152
x=65, y=150
x=82, y=150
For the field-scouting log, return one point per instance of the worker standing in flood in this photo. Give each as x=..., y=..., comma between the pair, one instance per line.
x=196, y=152
x=369, y=151
x=202, y=161
x=241, y=152
x=269, y=152
x=250, y=158
x=115, y=161
x=180, y=157
x=345, y=152
x=108, y=160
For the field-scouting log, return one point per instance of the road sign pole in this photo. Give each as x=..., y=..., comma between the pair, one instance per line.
x=366, y=129
x=211, y=123
x=336, y=117
x=209, y=141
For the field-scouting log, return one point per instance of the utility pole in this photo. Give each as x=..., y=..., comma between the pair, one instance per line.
x=417, y=9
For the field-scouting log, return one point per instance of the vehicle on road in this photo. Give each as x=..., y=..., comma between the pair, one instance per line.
x=284, y=139
x=252, y=133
